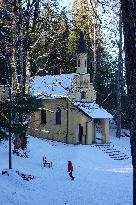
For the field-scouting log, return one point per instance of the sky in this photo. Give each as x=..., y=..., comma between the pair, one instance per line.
x=67, y=3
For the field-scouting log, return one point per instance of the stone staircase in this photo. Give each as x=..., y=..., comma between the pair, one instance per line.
x=112, y=151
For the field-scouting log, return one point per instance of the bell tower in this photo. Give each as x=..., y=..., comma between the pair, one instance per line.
x=81, y=55
x=82, y=90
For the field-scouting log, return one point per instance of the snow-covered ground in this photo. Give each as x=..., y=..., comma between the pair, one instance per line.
x=99, y=178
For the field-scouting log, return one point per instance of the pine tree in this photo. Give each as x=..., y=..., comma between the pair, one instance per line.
x=16, y=47
x=113, y=25
x=100, y=63
x=53, y=56
x=84, y=18
x=129, y=27
x=29, y=41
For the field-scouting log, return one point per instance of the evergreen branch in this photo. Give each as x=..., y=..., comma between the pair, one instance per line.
x=107, y=97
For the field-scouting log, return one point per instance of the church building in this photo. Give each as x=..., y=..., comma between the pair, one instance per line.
x=69, y=113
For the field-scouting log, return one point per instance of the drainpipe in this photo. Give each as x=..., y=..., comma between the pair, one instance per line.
x=86, y=134
x=10, y=133
x=67, y=125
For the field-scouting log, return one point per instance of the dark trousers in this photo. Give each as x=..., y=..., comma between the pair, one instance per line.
x=70, y=174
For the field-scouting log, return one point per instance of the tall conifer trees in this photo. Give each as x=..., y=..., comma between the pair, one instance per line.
x=100, y=64
x=18, y=23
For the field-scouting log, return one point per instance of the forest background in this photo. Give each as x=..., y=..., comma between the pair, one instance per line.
x=40, y=37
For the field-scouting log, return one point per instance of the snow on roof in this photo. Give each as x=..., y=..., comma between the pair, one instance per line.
x=93, y=110
x=53, y=86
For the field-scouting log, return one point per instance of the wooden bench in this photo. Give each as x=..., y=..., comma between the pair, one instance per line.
x=45, y=162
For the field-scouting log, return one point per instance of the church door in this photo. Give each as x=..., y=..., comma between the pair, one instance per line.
x=80, y=134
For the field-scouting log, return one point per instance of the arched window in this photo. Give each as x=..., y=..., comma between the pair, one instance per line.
x=78, y=62
x=58, y=116
x=43, y=117
x=83, y=95
x=85, y=63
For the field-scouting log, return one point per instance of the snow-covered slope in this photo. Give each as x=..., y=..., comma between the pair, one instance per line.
x=99, y=178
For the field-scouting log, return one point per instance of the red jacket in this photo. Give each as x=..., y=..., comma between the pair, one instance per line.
x=70, y=167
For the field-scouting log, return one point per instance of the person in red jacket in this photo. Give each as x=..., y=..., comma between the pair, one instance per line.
x=70, y=170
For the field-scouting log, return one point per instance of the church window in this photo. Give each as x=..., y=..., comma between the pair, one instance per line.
x=78, y=62
x=58, y=116
x=83, y=95
x=43, y=117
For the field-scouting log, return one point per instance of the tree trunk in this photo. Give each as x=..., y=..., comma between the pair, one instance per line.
x=22, y=68
x=129, y=26
x=94, y=4
x=20, y=141
x=119, y=78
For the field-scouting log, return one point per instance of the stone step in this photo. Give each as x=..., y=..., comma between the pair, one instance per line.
x=112, y=152
x=102, y=145
x=114, y=155
x=120, y=158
